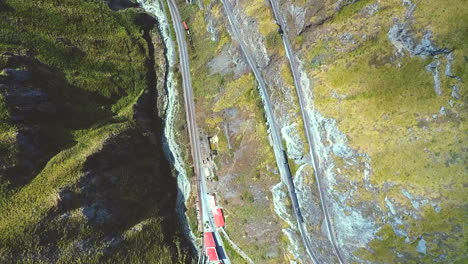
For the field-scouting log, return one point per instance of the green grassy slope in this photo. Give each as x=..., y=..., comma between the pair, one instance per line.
x=94, y=62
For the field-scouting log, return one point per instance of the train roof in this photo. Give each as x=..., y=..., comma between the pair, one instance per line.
x=212, y=254
x=218, y=217
x=209, y=240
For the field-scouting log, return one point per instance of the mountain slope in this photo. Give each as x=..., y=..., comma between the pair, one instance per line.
x=82, y=174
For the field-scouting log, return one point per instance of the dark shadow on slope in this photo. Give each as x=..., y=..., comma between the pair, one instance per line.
x=120, y=4
x=43, y=117
x=127, y=182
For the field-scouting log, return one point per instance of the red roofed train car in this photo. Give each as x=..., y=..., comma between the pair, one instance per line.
x=210, y=248
x=209, y=240
x=212, y=254
x=185, y=25
x=218, y=217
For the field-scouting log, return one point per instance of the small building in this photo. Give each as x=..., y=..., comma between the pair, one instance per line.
x=218, y=217
x=212, y=200
x=213, y=142
x=216, y=210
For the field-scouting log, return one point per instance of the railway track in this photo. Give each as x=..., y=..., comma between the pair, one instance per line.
x=313, y=153
x=280, y=153
x=189, y=104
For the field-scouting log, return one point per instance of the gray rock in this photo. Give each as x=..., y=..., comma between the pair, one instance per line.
x=370, y=10
x=96, y=214
x=407, y=3
x=390, y=205
x=211, y=28
x=436, y=207
x=111, y=243
x=427, y=48
x=434, y=69
x=66, y=197
x=299, y=15
x=294, y=144
x=26, y=103
x=443, y=111
x=455, y=92
x=441, y=258
x=274, y=170
x=421, y=248
x=448, y=67
x=400, y=232
x=229, y=61
x=318, y=60
x=18, y=74
x=342, y=3
x=338, y=96
x=346, y=38
x=211, y=22
x=414, y=201
x=342, y=150
x=401, y=37
x=251, y=37
x=231, y=112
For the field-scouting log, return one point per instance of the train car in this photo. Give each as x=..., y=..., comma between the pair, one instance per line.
x=185, y=25
x=218, y=217
x=210, y=248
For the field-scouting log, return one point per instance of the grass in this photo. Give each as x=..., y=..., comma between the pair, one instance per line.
x=30, y=204
x=349, y=11
x=273, y=40
x=262, y=13
x=286, y=74
x=233, y=256
x=246, y=213
x=238, y=93
x=145, y=247
x=89, y=54
x=447, y=20
x=96, y=64
x=192, y=215
x=8, y=149
x=383, y=250
x=206, y=85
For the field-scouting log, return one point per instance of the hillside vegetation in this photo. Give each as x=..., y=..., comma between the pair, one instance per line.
x=401, y=100
x=79, y=181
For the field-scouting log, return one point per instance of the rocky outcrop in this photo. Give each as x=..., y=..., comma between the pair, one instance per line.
x=401, y=35
x=27, y=104
x=376, y=209
x=229, y=61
